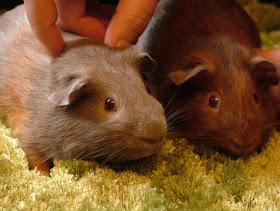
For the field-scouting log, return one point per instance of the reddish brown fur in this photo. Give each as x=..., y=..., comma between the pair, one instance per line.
x=219, y=36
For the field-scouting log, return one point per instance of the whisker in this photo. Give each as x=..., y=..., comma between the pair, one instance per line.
x=169, y=101
x=100, y=151
x=128, y=153
x=170, y=127
x=174, y=107
x=176, y=113
x=112, y=155
x=96, y=153
x=181, y=118
x=121, y=156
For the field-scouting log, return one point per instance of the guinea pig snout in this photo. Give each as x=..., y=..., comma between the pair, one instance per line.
x=153, y=130
x=242, y=146
x=154, y=138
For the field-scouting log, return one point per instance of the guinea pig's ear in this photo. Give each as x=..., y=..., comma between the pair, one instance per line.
x=265, y=71
x=66, y=95
x=179, y=77
x=147, y=66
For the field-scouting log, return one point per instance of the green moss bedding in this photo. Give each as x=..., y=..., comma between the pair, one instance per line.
x=180, y=177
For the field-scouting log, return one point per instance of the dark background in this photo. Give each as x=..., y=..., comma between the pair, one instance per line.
x=9, y=4
x=277, y=2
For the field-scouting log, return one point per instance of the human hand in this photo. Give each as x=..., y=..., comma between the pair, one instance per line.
x=115, y=26
x=273, y=55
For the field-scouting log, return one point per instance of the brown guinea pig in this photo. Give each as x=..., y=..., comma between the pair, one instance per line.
x=89, y=103
x=213, y=85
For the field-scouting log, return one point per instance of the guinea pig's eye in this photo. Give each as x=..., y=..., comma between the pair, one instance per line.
x=110, y=104
x=213, y=101
x=255, y=98
x=149, y=90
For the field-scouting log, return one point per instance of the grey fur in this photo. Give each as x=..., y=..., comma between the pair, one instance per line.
x=64, y=100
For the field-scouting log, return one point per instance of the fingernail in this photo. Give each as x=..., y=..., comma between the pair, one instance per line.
x=123, y=43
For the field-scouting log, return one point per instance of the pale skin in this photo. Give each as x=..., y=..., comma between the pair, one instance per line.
x=273, y=55
x=115, y=26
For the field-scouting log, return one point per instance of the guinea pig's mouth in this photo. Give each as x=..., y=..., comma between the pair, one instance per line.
x=150, y=146
x=238, y=150
x=230, y=147
x=153, y=141
x=132, y=148
x=143, y=147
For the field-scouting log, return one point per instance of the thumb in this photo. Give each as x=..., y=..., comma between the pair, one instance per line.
x=272, y=55
x=42, y=16
x=129, y=21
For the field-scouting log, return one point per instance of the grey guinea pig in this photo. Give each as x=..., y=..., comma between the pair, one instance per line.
x=89, y=103
x=212, y=84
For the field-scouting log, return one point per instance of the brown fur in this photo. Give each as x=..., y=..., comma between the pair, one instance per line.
x=13, y=106
x=219, y=36
x=58, y=109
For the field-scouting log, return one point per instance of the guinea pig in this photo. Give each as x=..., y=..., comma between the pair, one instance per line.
x=211, y=82
x=89, y=103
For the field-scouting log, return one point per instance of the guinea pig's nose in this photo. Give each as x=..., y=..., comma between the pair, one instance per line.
x=155, y=138
x=152, y=128
x=243, y=146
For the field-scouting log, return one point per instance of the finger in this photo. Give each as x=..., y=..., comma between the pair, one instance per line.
x=72, y=17
x=129, y=21
x=42, y=16
x=86, y=26
x=275, y=93
x=272, y=55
